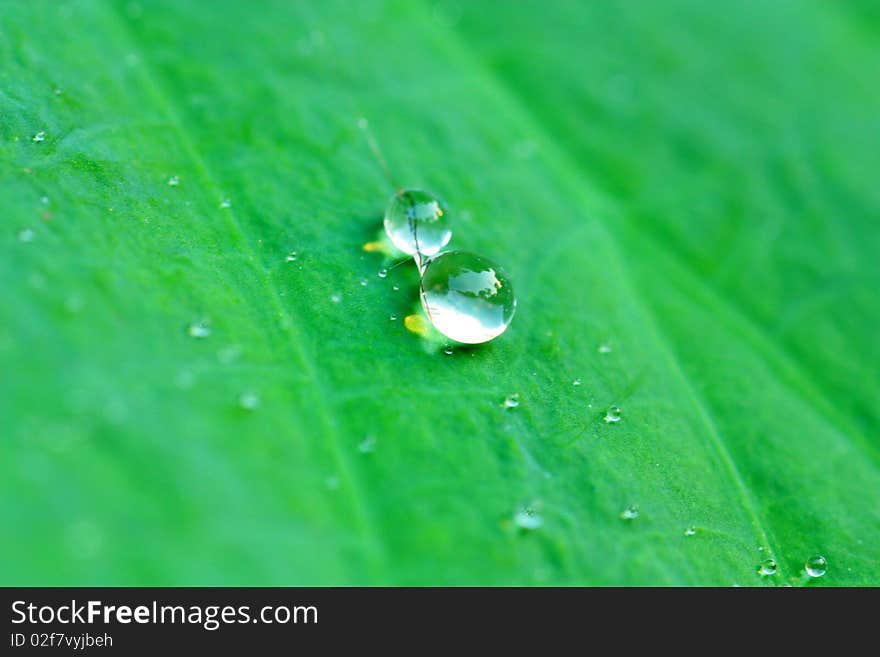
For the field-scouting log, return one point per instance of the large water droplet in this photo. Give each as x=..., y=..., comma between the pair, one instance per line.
x=816, y=566
x=467, y=297
x=417, y=222
x=613, y=414
x=767, y=567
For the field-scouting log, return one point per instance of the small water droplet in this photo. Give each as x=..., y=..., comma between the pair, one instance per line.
x=367, y=445
x=26, y=235
x=529, y=518
x=200, y=329
x=690, y=531
x=185, y=379
x=417, y=222
x=58, y=91
x=393, y=317
x=467, y=297
x=332, y=482
x=382, y=273
x=613, y=414
x=225, y=203
x=605, y=348
x=760, y=548
x=767, y=567
x=576, y=382
x=630, y=513
x=335, y=298
x=448, y=350
x=44, y=200
x=40, y=136
x=362, y=123
x=364, y=282
x=395, y=287
x=816, y=566
x=291, y=257
x=249, y=401
x=174, y=181
x=511, y=401
x=229, y=353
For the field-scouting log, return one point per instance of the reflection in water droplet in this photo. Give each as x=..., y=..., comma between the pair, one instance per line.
x=816, y=566
x=630, y=513
x=367, y=445
x=613, y=414
x=767, y=567
x=690, y=531
x=249, y=401
x=200, y=329
x=529, y=518
x=511, y=401
x=40, y=136
x=416, y=222
x=467, y=297
x=173, y=181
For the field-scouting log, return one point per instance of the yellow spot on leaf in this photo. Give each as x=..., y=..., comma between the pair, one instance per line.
x=417, y=324
x=371, y=247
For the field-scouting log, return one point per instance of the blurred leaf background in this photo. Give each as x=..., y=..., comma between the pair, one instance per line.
x=684, y=192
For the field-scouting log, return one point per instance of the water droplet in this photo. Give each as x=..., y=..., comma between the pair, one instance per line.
x=511, y=401
x=767, y=567
x=382, y=273
x=605, y=349
x=249, y=401
x=364, y=282
x=335, y=298
x=174, y=181
x=467, y=297
x=613, y=414
x=225, y=203
x=44, y=200
x=26, y=235
x=417, y=222
x=392, y=317
x=690, y=531
x=448, y=350
x=630, y=513
x=200, y=329
x=40, y=136
x=816, y=566
x=58, y=91
x=576, y=382
x=367, y=445
x=395, y=287
x=529, y=518
x=291, y=257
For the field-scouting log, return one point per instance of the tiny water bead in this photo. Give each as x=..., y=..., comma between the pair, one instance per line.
x=630, y=513
x=613, y=414
x=467, y=297
x=40, y=136
x=173, y=181
x=367, y=445
x=249, y=401
x=292, y=256
x=26, y=235
x=816, y=566
x=200, y=329
x=605, y=348
x=448, y=350
x=417, y=222
x=576, y=382
x=225, y=203
x=382, y=273
x=511, y=401
x=768, y=567
x=528, y=518
x=690, y=531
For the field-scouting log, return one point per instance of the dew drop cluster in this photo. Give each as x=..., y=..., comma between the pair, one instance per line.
x=467, y=298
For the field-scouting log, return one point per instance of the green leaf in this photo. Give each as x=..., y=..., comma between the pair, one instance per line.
x=683, y=194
